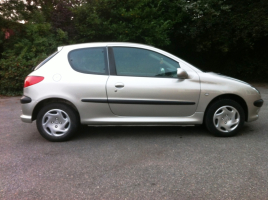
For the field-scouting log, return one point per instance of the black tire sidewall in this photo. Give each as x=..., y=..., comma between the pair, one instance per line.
x=72, y=115
x=211, y=111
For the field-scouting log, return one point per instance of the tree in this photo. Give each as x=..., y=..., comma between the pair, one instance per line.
x=225, y=36
x=32, y=42
x=145, y=21
x=219, y=35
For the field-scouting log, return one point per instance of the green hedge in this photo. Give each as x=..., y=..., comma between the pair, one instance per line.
x=229, y=37
x=24, y=51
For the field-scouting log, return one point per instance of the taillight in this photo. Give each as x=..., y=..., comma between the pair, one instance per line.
x=31, y=80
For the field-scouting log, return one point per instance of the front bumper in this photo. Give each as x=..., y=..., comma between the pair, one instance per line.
x=258, y=103
x=254, y=110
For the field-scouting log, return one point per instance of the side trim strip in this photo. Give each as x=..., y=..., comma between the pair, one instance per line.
x=150, y=102
x=95, y=100
x=119, y=101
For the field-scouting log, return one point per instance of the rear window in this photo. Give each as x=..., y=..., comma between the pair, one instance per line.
x=89, y=60
x=45, y=61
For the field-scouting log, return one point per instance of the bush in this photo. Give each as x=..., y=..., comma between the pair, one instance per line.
x=31, y=44
x=229, y=37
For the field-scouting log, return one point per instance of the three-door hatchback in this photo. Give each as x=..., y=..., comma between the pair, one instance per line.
x=131, y=84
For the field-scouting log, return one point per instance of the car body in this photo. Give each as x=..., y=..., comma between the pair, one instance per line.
x=133, y=84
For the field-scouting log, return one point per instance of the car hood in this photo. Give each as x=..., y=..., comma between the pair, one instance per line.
x=228, y=77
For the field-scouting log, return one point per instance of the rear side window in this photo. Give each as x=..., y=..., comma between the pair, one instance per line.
x=89, y=60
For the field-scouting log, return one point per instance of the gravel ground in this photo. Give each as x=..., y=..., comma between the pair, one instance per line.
x=166, y=162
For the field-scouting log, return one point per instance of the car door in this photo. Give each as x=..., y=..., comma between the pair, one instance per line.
x=86, y=82
x=145, y=83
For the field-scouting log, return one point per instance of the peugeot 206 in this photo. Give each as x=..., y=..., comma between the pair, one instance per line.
x=131, y=84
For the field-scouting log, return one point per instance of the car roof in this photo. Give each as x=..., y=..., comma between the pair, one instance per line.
x=98, y=44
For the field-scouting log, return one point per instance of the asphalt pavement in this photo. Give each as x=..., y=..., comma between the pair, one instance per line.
x=167, y=162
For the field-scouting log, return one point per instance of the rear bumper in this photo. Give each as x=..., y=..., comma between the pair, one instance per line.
x=27, y=106
x=26, y=118
x=25, y=99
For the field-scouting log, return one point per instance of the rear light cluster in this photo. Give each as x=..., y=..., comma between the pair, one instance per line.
x=31, y=80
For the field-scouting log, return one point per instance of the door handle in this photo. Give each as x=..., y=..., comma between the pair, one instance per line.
x=119, y=85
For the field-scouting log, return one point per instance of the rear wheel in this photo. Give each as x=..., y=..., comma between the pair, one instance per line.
x=224, y=118
x=57, y=122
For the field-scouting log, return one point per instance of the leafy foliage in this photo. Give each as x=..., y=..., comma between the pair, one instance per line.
x=146, y=21
x=226, y=36
x=31, y=43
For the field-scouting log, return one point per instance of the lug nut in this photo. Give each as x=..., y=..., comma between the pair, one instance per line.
x=60, y=122
x=52, y=122
x=56, y=126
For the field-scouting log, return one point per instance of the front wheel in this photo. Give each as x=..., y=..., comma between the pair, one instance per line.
x=57, y=122
x=224, y=118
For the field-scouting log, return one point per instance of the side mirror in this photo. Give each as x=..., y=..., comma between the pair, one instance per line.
x=182, y=73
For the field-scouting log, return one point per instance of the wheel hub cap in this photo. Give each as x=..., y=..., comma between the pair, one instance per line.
x=56, y=122
x=226, y=119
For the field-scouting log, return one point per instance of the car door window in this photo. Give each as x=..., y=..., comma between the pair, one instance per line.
x=89, y=60
x=144, y=63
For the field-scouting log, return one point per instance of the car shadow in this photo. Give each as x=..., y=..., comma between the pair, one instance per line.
x=113, y=132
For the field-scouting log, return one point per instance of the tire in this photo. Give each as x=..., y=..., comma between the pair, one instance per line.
x=224, y=118
x=57, y=122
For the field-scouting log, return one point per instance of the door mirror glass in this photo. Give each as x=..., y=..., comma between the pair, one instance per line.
x=182, y=74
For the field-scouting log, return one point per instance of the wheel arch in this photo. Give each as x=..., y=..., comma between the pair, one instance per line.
x=44, y=102
x=233, y=97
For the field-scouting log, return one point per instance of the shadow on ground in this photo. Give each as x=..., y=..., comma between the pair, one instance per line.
x=112, y=132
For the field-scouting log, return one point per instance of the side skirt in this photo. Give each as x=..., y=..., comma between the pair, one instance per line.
x=194, y=119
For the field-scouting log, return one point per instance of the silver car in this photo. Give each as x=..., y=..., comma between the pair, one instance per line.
x=131, y=84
